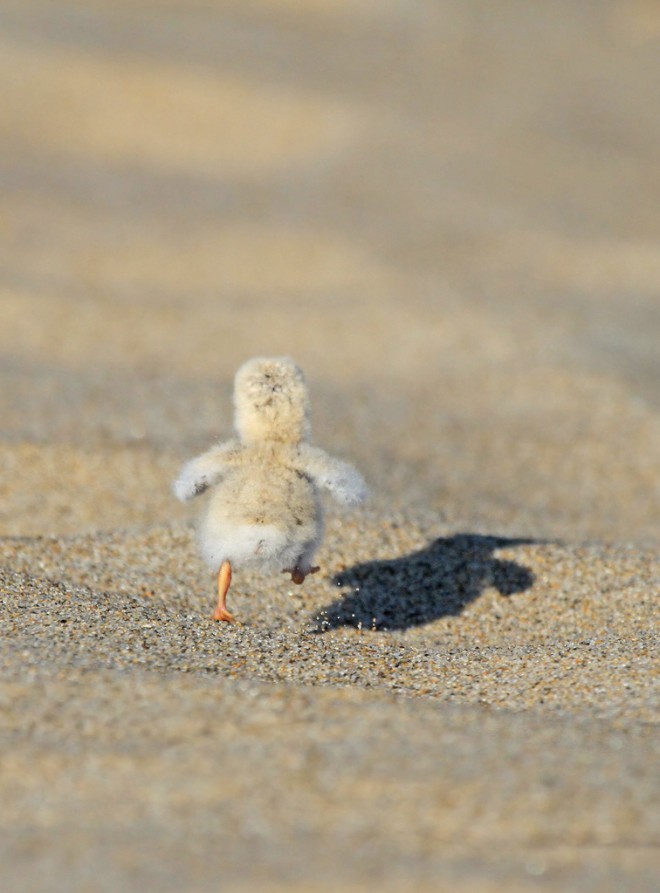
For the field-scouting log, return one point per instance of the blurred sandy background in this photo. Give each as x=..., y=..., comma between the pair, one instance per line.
x=448, y=214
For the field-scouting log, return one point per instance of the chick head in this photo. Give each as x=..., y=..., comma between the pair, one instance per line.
x=271, y=401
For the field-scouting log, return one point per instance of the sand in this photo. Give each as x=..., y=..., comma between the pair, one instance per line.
x=448, y=215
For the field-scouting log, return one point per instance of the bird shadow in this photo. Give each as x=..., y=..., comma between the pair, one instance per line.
x=434, y=582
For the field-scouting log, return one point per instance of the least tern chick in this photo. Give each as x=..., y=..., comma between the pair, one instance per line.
x=264, y=510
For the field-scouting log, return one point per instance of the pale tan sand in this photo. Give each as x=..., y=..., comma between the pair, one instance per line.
x=462, y=617
x=448, y=215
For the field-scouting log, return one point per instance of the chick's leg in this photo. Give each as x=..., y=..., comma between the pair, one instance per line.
x=224, y=581
x=298, y=575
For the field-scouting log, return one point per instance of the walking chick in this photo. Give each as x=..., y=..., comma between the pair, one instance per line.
x=264, y=510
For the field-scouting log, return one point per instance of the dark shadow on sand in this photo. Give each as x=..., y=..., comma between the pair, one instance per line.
x=437, y=581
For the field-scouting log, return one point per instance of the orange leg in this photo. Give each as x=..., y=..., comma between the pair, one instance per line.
x=224, y=581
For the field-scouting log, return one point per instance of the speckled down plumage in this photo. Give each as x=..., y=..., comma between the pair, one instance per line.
x=264, y=508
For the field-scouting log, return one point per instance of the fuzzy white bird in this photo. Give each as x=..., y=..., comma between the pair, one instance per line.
x=264, y=509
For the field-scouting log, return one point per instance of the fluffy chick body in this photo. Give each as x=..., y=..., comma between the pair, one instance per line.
x=265, y=513
x=264, y=509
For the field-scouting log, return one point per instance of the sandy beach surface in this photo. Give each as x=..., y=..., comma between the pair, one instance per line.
x=448, y=213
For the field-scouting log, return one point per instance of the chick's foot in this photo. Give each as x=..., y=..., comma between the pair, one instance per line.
x=298, y=576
